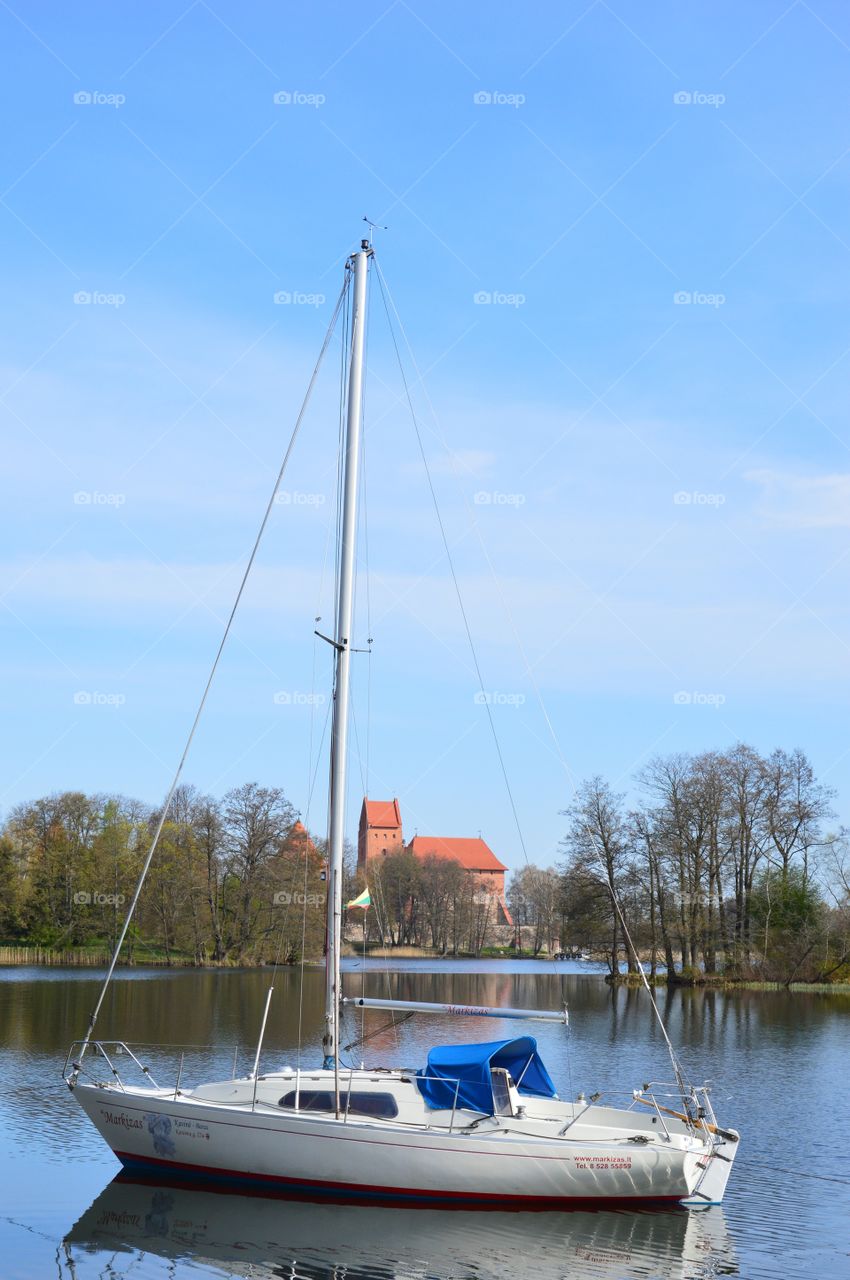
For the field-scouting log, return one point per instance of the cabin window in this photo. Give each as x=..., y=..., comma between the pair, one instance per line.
x=380, y=1105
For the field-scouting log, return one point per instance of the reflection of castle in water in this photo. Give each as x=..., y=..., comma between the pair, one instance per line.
x=316, y=1241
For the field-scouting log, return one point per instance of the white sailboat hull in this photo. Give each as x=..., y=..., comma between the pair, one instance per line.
x=297, y=1151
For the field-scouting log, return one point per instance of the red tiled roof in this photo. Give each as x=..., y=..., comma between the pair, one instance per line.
x=301, y=836
x=382, y=813
x=474, y=854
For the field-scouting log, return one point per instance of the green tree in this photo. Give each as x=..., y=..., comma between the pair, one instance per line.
x=788, y=917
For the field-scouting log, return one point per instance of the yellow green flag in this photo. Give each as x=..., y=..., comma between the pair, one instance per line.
x=365, y=900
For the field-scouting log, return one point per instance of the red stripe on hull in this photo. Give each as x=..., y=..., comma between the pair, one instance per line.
x=389, y=1195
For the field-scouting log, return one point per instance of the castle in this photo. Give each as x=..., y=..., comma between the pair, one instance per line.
x=381, y=833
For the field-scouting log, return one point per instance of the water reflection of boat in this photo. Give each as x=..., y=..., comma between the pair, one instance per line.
x=267, y=1237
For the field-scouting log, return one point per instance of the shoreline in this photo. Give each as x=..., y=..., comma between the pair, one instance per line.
x=80, y=958
x=98, y=958
x=716, y=982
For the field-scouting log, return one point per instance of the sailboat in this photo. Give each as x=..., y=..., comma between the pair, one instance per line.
x=477, y=1124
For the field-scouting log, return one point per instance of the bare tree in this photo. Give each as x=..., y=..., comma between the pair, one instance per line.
x=598, y=845
x=534, y=898
x=256, y=820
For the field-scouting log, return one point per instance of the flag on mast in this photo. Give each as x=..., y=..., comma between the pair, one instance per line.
x=364, y=900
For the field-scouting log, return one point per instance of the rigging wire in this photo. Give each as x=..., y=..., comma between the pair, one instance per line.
x=313, y=771
x=312, y=785
x=201, y=705
x=307, y=828
x=362, y=536
x=319, y=754
x=387, y=300
x=364, y=513
x=446, y=548
x=382, y=917
x=391, y=1025
x=360, y=755
x=345, y=354
x=385, y=294
x=317, y=617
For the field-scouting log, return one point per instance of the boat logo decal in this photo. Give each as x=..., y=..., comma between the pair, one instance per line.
x=159, y=1127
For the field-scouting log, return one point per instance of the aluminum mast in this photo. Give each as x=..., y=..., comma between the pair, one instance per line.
x=342, y=643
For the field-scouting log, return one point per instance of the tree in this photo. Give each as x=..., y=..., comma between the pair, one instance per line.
x=789, y=915
x=796, y=806
x=395, y=883
x=534, y=898
x=598, y=847
x=685, y=856
x=256, y=820
x=11, y=923
x=441, y=887
x=835, y=962
x=299, y=894
x=64, y=885
x=209, y=834
x=715, y=863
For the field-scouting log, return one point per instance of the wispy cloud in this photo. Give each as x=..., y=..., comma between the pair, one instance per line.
x=460, y=462
x=794, y=500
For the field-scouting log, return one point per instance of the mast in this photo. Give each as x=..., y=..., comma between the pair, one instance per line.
x=342, y=643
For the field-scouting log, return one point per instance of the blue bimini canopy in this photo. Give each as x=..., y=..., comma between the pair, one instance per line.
x=471, y=1064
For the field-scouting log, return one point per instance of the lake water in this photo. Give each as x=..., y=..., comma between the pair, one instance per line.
x=780, y=1065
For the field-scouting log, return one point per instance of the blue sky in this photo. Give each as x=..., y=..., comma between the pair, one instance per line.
x=639, y=443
